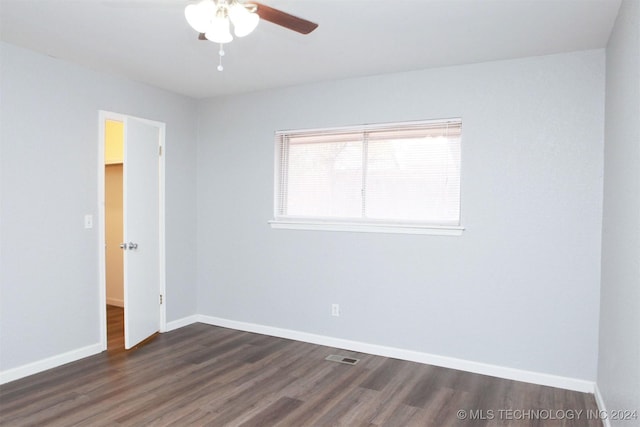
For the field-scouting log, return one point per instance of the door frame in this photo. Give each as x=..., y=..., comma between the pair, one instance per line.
x=102, y=270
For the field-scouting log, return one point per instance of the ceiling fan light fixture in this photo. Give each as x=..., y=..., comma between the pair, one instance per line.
x=219, y=31
x=213, y=19
x=199, y=15
x=244, y=22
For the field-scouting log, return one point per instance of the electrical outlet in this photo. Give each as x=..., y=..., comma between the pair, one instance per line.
x=335, y=310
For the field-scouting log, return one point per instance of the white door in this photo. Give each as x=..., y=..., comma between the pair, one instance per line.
x=141, y=246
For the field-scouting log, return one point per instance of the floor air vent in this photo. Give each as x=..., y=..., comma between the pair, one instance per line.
x=342, y=359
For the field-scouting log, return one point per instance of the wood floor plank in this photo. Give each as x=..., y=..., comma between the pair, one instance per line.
x=202, y=375
x=273, y=413
x=339, y=383
x=423, y=388
x=395, y=391
x=345, y=411
x=382, y=375
x=400, y=415
x=442, y=409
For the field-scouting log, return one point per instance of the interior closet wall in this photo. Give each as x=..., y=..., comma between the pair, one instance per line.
x=114, y=138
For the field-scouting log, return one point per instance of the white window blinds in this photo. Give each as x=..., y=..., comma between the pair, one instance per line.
x=394, y=173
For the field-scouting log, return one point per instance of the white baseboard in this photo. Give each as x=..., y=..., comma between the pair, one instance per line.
x=115, y=301
x=601, y=406
x=48, y=363
x=362, y=347
x=413, y=356
x=185, y=321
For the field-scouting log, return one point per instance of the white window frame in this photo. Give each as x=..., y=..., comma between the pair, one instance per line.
x=360, y=225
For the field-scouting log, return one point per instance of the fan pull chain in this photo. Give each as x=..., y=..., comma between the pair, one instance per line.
x=221, y=53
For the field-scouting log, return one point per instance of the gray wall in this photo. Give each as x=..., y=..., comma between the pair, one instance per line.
x=618, y=367
x=519, y=289
x=49, y=146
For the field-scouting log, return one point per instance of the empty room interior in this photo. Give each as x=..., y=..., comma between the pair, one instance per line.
x=320, y=213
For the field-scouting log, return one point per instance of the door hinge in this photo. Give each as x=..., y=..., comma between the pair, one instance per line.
x=160, y=299
x=160, y=150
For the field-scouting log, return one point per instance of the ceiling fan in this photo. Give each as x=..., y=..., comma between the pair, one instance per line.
x=212, y=19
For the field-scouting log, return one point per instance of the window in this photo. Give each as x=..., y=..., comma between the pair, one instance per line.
x=399, y=177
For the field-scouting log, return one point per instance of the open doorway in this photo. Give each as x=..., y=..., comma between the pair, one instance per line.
x=114, y=232
x=131, y=222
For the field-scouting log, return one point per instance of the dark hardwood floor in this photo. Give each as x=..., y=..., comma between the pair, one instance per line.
x=115, y=329
x=204, y=375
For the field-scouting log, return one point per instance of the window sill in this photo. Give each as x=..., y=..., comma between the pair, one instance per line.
x=435, y=230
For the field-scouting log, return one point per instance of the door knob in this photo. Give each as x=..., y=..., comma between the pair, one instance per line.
x=123, y=246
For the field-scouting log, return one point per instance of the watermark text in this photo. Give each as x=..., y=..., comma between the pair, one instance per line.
x=546, y=414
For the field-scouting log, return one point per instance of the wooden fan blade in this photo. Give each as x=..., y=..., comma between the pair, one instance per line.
x=284, y=19
x=201, y=36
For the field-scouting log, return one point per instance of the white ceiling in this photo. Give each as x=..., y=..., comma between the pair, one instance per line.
x=150, y=40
